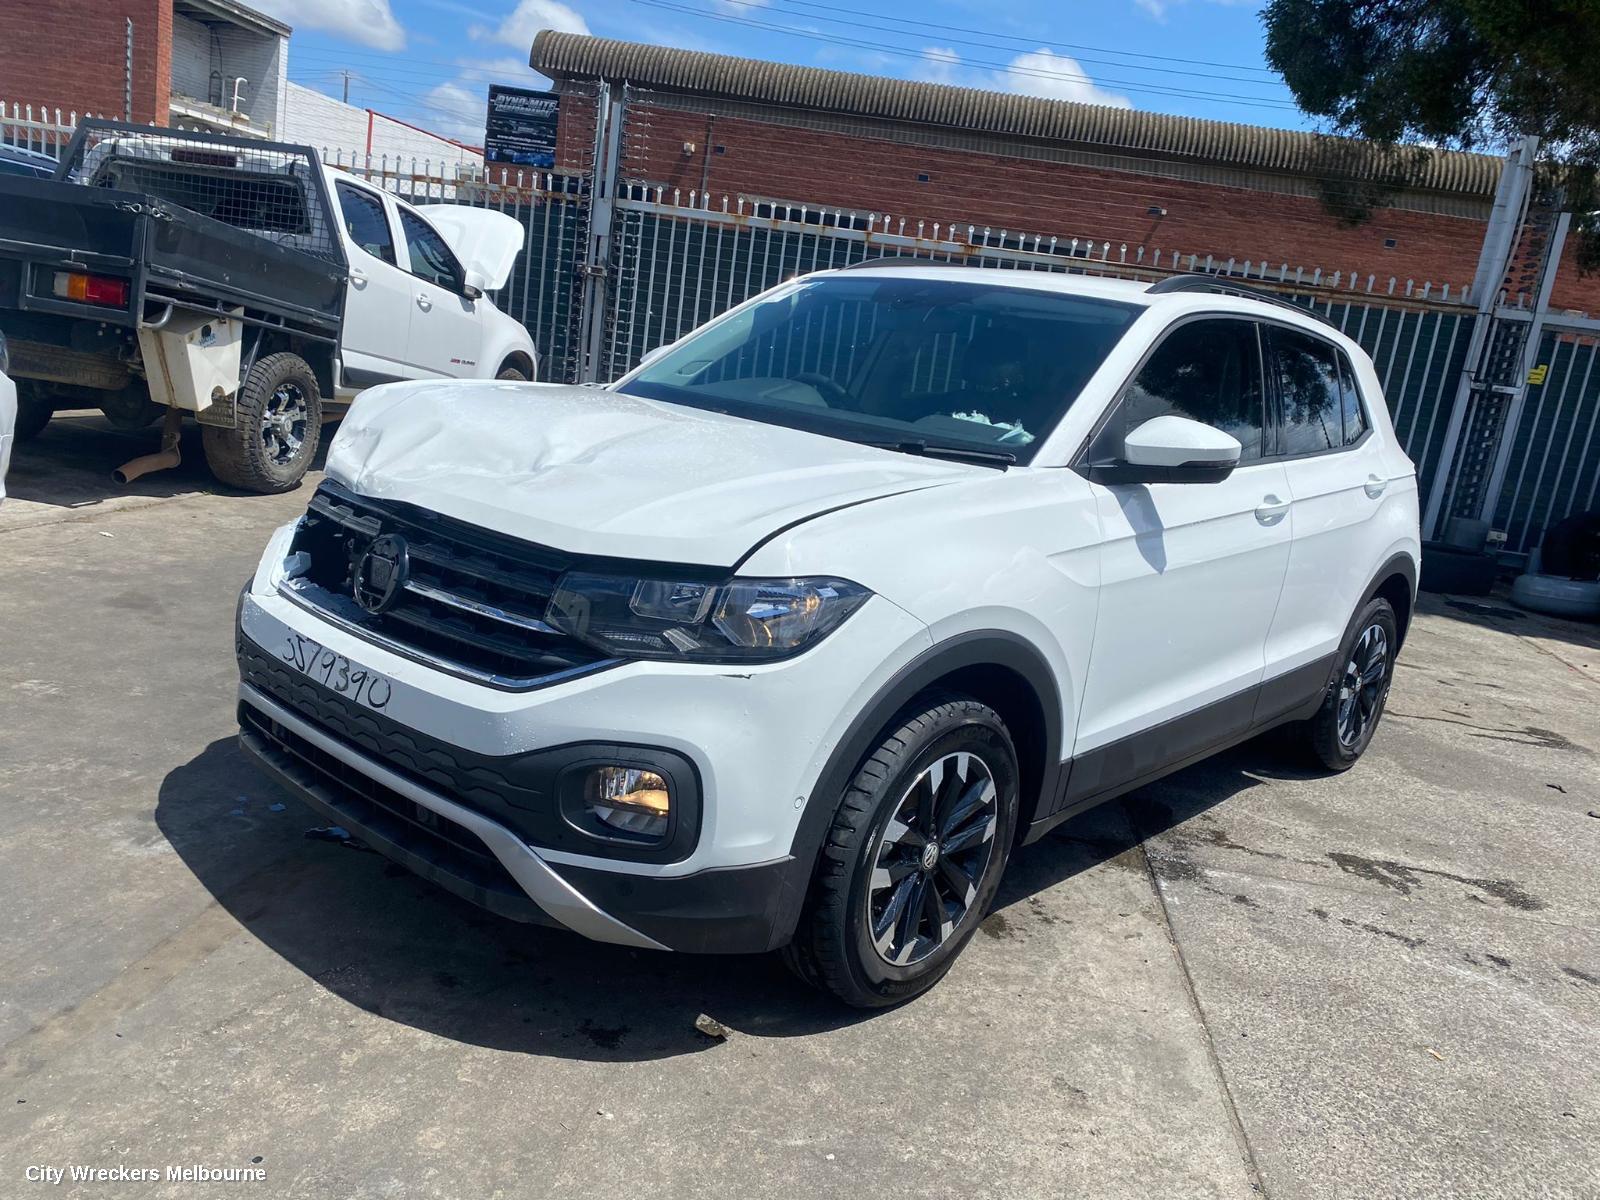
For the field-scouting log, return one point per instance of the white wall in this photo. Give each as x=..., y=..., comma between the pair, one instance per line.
x=332, y=126
x=261, y=59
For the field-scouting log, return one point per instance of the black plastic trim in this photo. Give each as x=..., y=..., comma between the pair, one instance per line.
x=731, y=910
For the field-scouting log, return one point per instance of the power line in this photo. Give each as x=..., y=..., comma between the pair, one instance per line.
x=1010, y=68
x=1030, y=43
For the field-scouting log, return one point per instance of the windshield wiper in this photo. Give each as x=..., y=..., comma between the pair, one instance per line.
x=973, y=454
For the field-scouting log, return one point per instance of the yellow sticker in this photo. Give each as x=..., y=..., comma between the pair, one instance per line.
x=1536, y=376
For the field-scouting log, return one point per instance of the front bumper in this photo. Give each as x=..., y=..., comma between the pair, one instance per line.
x=445, y=780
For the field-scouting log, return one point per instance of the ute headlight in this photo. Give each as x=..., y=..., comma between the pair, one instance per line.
x=697, y=621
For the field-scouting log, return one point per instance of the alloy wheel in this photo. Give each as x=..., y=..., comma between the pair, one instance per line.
x=1362, y=684
x=283, y=424
x=931, y=858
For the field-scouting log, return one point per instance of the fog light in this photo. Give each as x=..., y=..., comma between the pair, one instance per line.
x=628, y=799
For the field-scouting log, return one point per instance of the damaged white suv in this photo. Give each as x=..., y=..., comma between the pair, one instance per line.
x=791, y=636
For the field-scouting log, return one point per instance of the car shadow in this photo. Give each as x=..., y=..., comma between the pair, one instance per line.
x=398, y=947
x=69, y=464
x=1496, y=612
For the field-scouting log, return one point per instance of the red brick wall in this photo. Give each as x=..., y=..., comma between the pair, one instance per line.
x=1053, y=199
x=69, y=54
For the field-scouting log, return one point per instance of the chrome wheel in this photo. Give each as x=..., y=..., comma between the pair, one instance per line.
x=283, y=424
x=931, y=858
x=1362, y=686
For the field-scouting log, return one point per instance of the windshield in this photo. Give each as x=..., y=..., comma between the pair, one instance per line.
x=923, y=365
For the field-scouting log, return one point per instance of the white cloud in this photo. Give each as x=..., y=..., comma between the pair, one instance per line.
x=370, y=22
x=939, y=64
x=528, y=18
x=1043, y=72
x=1156, y=8
x=455, y=111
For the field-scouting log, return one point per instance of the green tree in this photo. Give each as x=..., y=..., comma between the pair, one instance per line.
x=1466, y=74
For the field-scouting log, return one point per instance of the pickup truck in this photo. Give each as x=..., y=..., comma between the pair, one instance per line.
x=241, y=282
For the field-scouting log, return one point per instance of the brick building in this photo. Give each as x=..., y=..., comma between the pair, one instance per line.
x=202, y=63
x=801, y=135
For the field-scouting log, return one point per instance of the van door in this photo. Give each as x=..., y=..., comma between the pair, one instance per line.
x=446, y=328
x=378, y=297
x=1190, y=572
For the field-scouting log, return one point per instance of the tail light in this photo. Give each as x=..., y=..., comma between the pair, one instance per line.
x=91, y=289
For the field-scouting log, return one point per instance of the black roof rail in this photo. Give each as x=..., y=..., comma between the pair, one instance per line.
x=1217, y=283
x=902, y=260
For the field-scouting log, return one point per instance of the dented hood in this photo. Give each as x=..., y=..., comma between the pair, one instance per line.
x=484, y=240
x=598, y=472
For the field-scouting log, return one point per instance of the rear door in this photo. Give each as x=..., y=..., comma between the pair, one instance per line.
x=1190, y=572
x=446, y=329
x=1337, y=481
x=378, y=303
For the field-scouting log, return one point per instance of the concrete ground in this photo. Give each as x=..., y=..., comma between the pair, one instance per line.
x=1244, y=980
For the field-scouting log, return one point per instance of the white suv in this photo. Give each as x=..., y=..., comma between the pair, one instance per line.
x=788, y=638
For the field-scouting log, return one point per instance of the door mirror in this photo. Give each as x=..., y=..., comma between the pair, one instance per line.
x=1172, y=449
x=473, y=284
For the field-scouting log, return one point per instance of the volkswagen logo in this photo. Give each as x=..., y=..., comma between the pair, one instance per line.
x=381, y=573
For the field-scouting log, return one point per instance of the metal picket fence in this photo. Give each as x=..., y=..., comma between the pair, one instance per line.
x=600, y=284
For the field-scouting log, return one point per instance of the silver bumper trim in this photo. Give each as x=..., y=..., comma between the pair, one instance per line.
x=544, y=887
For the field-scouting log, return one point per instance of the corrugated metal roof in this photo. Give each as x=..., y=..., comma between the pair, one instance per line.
x=578, y=56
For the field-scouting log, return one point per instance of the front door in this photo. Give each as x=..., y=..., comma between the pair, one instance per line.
x=1190, y=572
x=378, y=297
x=446, y=332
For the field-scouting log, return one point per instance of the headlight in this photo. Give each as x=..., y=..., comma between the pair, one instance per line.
x=742, y=620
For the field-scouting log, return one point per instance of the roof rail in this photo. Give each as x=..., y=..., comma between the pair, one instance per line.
x=1216, y=283
x=901, y=260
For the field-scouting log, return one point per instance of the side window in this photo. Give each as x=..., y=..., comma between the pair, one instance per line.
x=365, y=223
x=1309, y=385
x=430, y=257
x=1207, y=370
x=1355, y=417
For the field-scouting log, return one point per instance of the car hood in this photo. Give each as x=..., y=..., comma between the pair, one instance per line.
x=598, y=472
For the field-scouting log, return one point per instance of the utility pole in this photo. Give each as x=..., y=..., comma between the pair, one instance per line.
x=346, y=75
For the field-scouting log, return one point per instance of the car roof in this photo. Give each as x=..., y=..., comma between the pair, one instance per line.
x=1177, y=295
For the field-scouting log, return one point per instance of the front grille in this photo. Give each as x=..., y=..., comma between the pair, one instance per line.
x=474, y=601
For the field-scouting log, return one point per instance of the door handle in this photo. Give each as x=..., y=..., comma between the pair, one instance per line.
x=357, y=279
x=424, y=303
x=1271, y=510
x=1374, y=487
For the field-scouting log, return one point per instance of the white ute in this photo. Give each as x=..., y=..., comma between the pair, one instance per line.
x=246, y=284
x=789, y=637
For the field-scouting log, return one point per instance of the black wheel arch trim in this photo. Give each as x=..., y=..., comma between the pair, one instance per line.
x=1401, y=564
x=977, y=648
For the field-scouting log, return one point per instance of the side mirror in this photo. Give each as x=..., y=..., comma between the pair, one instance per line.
x=473, y=283
x=1172, y=449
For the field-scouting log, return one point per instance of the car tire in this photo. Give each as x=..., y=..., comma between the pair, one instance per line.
x=857, y=937
x=279, y=423
x=33, y=414
x=1343, y=727
x=512, y=373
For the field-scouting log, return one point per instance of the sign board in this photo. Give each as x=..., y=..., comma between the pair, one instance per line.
x=1536, y=374
x=521, y=129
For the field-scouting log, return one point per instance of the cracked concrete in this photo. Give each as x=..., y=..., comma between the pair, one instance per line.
x=1247, y=979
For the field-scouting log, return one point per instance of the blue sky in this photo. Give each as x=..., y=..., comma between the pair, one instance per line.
x=428, y=61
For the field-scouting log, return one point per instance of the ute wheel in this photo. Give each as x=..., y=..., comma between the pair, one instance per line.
x=510, y=372
x=279, y=425
x=33, y=413
x=918, y=844
x=1343, y=727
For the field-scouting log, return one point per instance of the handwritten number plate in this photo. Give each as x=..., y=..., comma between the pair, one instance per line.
x=336, y=672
